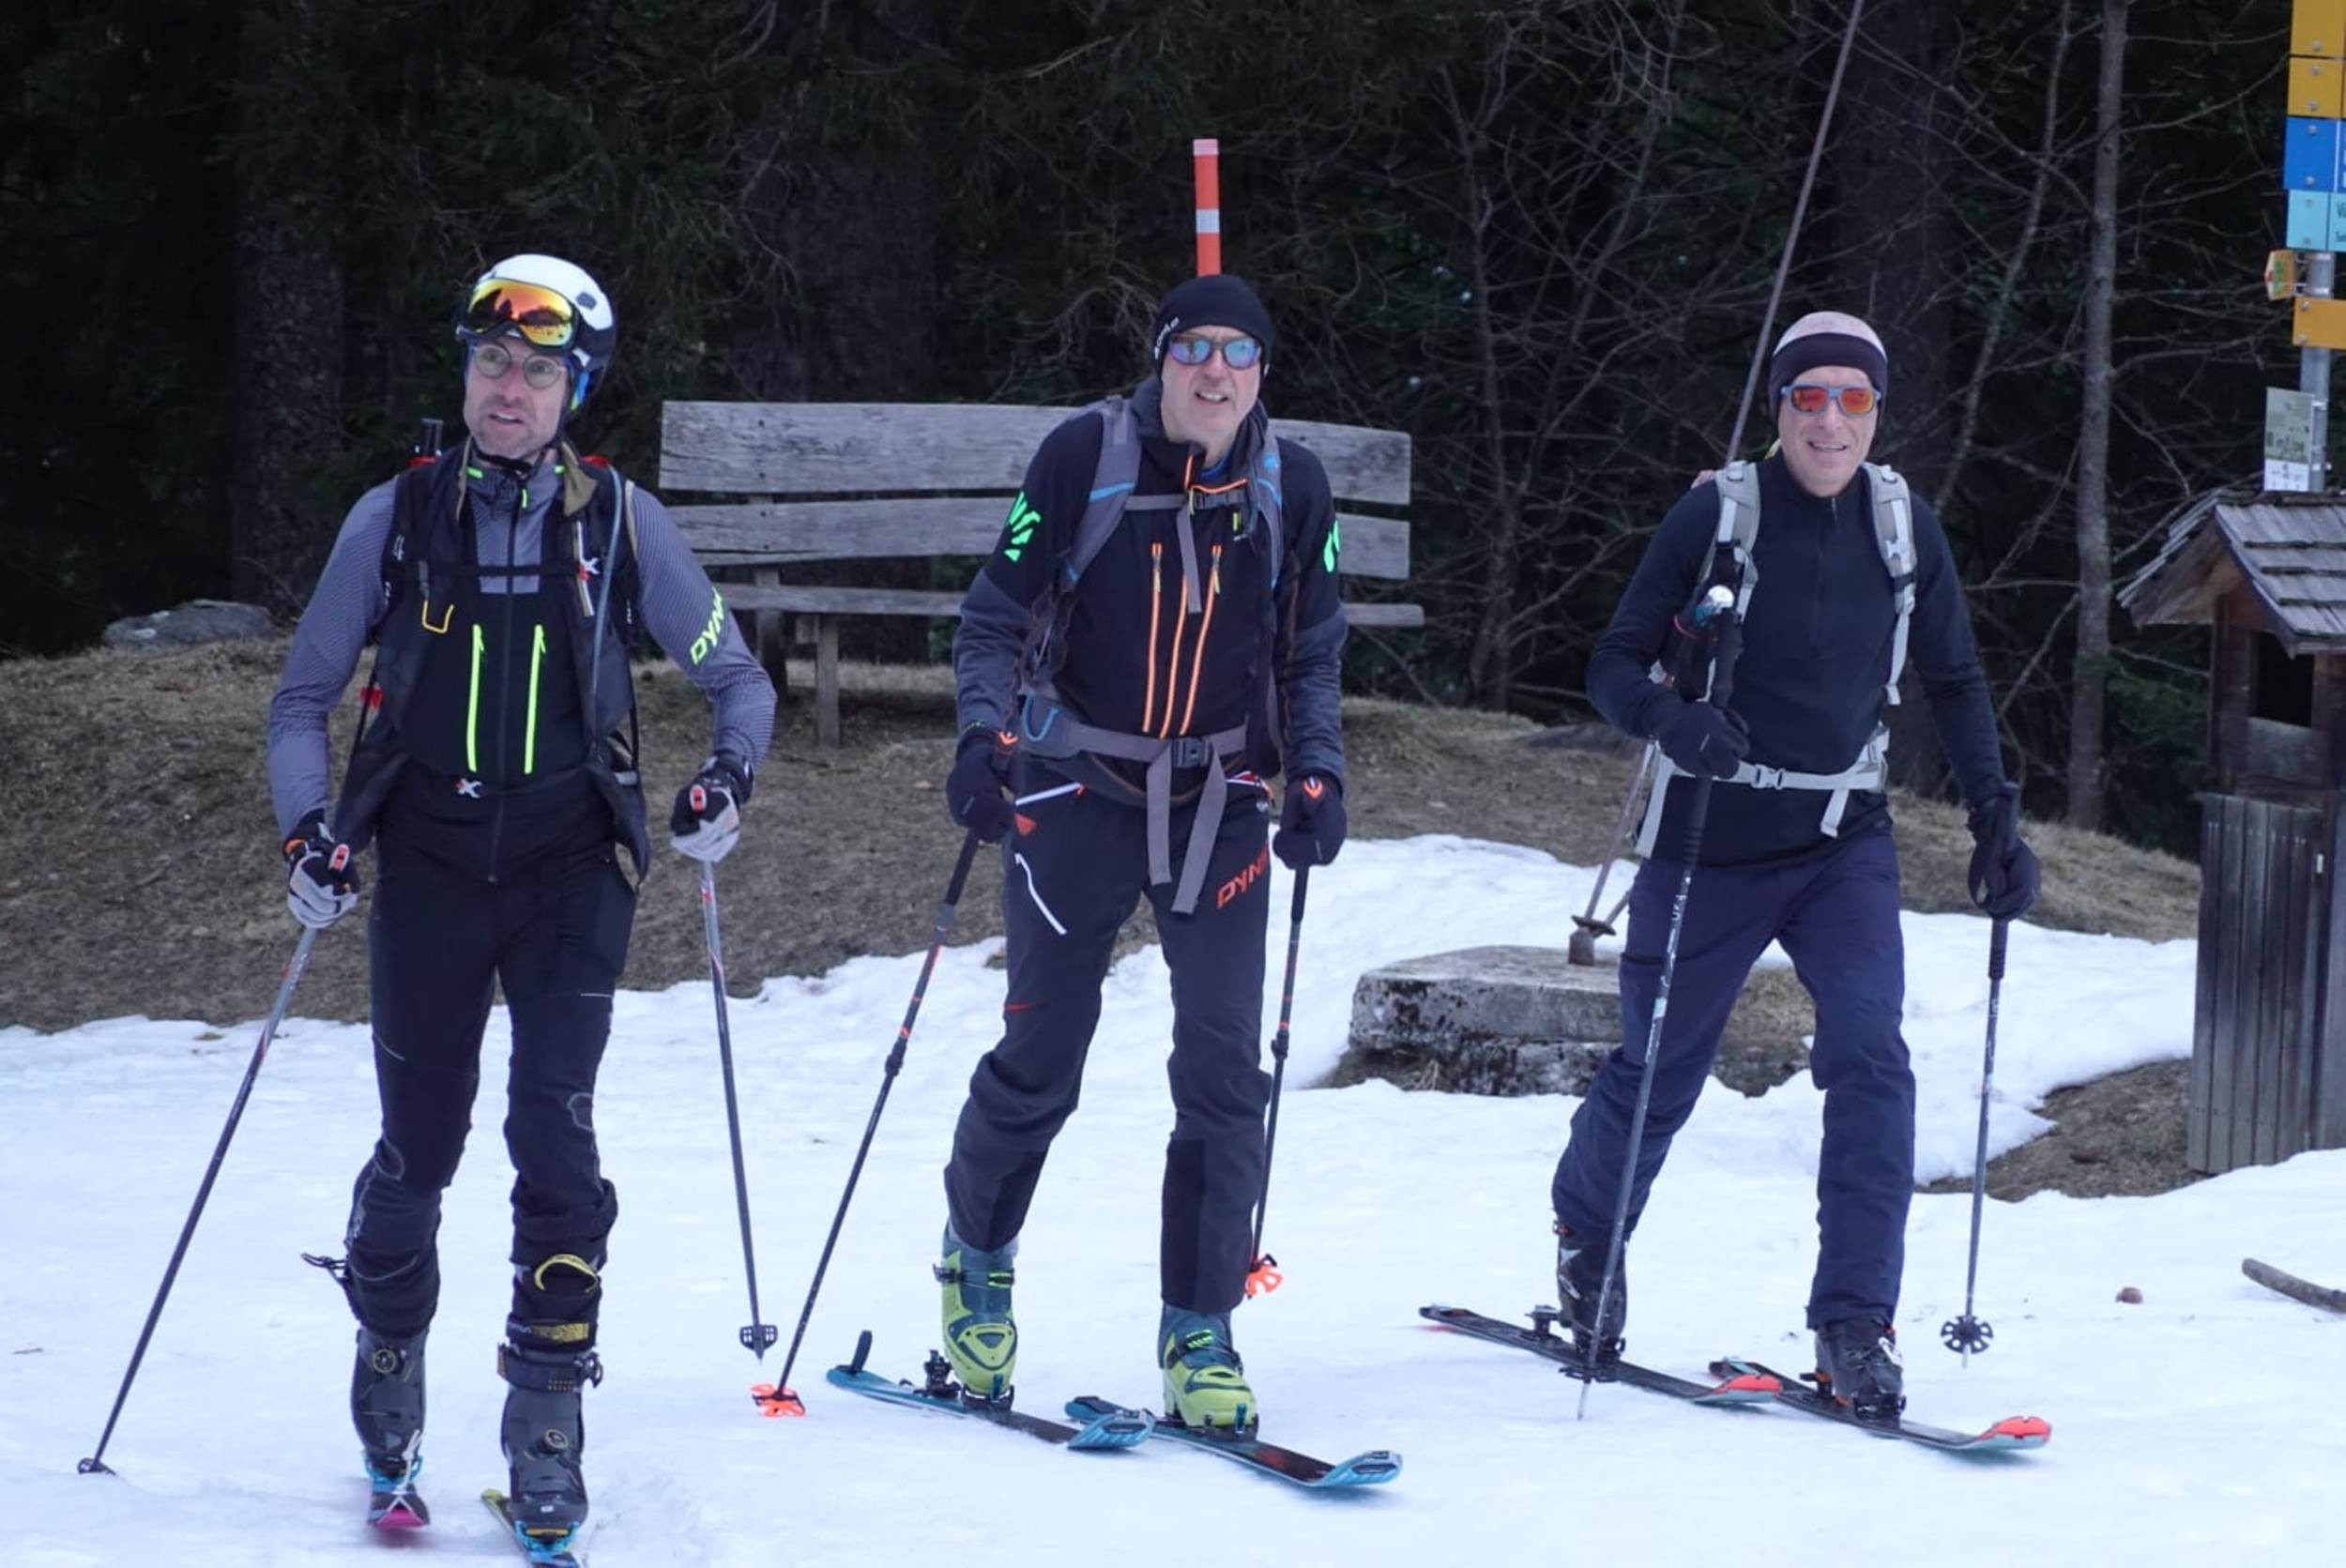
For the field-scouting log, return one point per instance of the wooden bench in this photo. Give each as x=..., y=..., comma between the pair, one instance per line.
x=895, y=481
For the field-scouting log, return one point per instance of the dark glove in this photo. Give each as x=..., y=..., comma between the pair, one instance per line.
x=974, y=790
x=321, y=884
x=2003, y=877
x=1311, y=822
x=706, y=822
x=1700, y=739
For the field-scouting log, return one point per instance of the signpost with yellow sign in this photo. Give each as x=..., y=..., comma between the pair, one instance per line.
x=2296, y=425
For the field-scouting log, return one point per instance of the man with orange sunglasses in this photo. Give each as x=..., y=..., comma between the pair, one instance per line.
x=1838, y=575
x=505, y=583
x=1158, y=624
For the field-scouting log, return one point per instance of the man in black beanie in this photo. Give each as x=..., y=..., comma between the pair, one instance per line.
x=1157, y=629
x=1841, y=574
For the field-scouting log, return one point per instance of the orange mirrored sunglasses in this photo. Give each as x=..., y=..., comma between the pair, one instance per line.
x=1809, y=397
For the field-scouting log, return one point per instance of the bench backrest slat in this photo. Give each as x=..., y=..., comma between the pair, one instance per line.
x=782, y=532
x=801, y=448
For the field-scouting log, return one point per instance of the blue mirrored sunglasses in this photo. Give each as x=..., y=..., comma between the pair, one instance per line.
x=1193, y=348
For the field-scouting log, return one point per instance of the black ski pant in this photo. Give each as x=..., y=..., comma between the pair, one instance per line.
x=1837, y=915
x=554, y=930
x=1072, y=872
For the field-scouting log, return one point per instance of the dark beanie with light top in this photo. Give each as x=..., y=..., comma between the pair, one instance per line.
x=1827, y=338
x=1216, y=300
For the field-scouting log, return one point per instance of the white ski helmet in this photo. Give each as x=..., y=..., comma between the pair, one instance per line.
x=551, y=304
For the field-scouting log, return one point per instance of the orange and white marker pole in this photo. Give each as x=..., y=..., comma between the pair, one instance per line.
x=1205, y=155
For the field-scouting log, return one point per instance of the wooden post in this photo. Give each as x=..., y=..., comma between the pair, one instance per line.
x=767, y=641
x=827, y=679
x=1205, y=156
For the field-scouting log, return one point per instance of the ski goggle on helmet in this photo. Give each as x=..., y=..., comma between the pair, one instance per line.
x=549, y=304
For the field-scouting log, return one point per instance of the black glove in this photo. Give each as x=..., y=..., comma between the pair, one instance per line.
x=1700, y=739
x=321, y=884
x=974, y=790
x=706, y=822
x=1311, y=822
x=2004, y=876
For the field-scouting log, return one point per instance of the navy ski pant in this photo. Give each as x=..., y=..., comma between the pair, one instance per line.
x=554, y=930
x=1837, y=915
x=1071, y=874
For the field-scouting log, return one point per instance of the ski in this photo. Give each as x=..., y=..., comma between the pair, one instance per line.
x=1107, y=1426
x=1371, y=1468
x=2004, y=1436
x=2291, y=1286
x=548, y=1554
x=1738, y=1382
x=1542, y=1340
x=395, y=1505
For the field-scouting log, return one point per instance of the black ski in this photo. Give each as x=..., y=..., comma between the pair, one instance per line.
x=2004, y=1436
x=2291, y=1286
x=1735, y=1382
x=1108, y=1426
x=1541, y=1339
x=1371, y=1468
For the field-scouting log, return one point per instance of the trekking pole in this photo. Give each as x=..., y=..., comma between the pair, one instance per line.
x=776, y=1398
x=757, y=1335
x=1262, y=1275
x=96, y=1463
x=1716, y=617
x=1580, y=947
x=1967, y=1333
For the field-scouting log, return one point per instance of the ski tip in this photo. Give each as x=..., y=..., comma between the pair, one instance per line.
x=1751, y=1383
x=494, y=1498
x=775, y=1401
x=2020, y=1432
x=400, y=1516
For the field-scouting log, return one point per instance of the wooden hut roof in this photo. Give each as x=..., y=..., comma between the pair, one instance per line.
x=2290, y=550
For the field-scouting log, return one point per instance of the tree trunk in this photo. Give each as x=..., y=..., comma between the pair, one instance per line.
x=289, y=303
x=2090, y=679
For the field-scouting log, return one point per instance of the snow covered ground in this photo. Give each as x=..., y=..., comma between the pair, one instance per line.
x=2200, y=1422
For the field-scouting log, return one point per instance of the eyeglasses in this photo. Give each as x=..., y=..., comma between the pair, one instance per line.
x=541, y=315
x=1193, y=348
x=1809, y=397
x=492, y=359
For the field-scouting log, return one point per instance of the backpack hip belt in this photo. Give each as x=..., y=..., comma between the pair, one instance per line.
x=1871, y=771
x=1062, y=735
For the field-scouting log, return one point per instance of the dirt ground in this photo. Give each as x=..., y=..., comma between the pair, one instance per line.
x=139, y=870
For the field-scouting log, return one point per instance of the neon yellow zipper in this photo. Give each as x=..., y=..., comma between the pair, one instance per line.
x=529, y=735
x=472, y=705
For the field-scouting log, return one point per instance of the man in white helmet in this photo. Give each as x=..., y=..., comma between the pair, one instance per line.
x=1844, y=577
x=505, y=583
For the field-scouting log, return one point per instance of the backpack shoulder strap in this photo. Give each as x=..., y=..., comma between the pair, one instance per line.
x=1265, y=493
x=1894, y=531
x=1739, y=527
x=1112, y=481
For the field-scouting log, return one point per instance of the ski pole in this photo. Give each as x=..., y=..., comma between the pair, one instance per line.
x=1263, y=1275
x=757, y=1335
x=1967, y=1333
x=96, y=1463
x=1580, y=947
x=776, y=1398
x=1717, y=615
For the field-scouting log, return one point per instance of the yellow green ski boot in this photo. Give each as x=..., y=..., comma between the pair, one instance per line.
x=980, y=1338
x=1205, y=1383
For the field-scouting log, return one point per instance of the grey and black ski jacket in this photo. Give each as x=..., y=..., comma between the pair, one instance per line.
x=487, y=701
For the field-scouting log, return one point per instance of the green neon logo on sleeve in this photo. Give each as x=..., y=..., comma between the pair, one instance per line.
x=1328, y=553
x=713, y=634
x=1019, y=528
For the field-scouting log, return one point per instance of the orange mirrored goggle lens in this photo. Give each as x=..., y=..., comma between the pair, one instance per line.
x=1808, y=397
x=539, y=314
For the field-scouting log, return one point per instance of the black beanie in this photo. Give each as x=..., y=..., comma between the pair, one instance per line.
x=1216, y=300
x=1827, y=338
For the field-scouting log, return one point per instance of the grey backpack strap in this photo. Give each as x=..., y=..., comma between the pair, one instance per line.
x=1112, y=481
x=1739, y=525
x=1894, y=531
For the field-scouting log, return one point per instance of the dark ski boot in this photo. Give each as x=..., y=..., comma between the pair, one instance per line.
x=387, y=1408
x=543, y=1433
x=1580, y=1278
x=1858, y=1364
